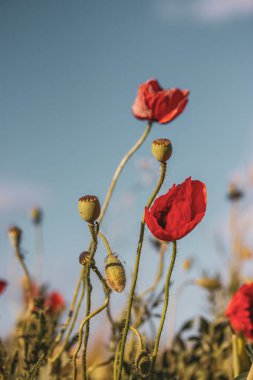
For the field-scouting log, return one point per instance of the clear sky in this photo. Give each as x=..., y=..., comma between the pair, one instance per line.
x=69, y=72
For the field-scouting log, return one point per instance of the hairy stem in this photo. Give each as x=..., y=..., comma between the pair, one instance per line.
x=135, y=275
x=166, y=302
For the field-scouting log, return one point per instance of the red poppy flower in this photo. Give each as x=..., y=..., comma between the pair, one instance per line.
x=155, y=104
x=240, y=311
x=3, y=285
x=54, y=303
x=175, y=214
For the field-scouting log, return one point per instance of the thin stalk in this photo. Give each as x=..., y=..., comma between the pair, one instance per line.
x=119, y=170
x=93, y=233
x=136, y=270
x=70, y=314
x=39, y=250
x=166, y=302
x=64, y=344
x=138, y=335
x=80, y=335
x=106, y=243
x=27, y=276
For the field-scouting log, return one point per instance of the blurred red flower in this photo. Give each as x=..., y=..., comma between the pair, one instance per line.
x=240, y=311
x=54, y=303
x=155, y=104
x=175, y=214
x=3, y=285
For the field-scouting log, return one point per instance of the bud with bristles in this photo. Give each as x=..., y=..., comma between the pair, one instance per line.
x=36, y=215
x=208, y=283
x=15, y=234
x=85, y=258
x=143, y=364
x=89, y=208
x=115, y=273
x=162, y=149
x=234, y=193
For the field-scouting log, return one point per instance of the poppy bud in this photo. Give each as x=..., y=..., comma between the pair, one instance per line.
x=162, y=149
x=208, y=283
x=15, y=234
x=36, y=215
x=89, y=208
x=143, y=364
x=115, y=273
x=85, y=258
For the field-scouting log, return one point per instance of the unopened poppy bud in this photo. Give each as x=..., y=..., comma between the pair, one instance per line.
x=208, y=283
x=36, y=215
x=89, y=208
x=115, y=273
x=85, y=258
x=162, y=149
x=143, y=364
x=15, y=234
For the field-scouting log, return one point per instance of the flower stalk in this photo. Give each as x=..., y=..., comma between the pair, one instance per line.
x=166, y=302
x=135, y=275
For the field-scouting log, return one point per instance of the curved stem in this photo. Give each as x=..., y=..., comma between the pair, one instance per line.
x=136, y=270
x=106, y=243
x=166, y=302
x=72, y=323
x=119, y=170
x=138, y=335
x=80, y=339
x=70, y=314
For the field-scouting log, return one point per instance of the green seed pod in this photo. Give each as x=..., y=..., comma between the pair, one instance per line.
x=162, y=149
x=115, y=273
x=85, y=258
x=89, y=208
x=143, y=364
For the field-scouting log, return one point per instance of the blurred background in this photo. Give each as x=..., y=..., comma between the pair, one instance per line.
x=69, y=73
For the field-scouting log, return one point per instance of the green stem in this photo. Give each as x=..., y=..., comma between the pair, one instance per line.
x=120, y=168
x=87, y=327
x=106, y=243
x=138, y=335
x=72, y=323
x=135, y=275
x=27, y=277
x=80, y=335
x=166, y=302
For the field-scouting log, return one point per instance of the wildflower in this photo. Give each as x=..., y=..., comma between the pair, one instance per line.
x=89, y=208
x=155, y=104
x=3, y=285
x=240, y=311
x=175, y=214
x=54, y=303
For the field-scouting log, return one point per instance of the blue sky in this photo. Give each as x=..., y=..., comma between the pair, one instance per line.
x=69, y=73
